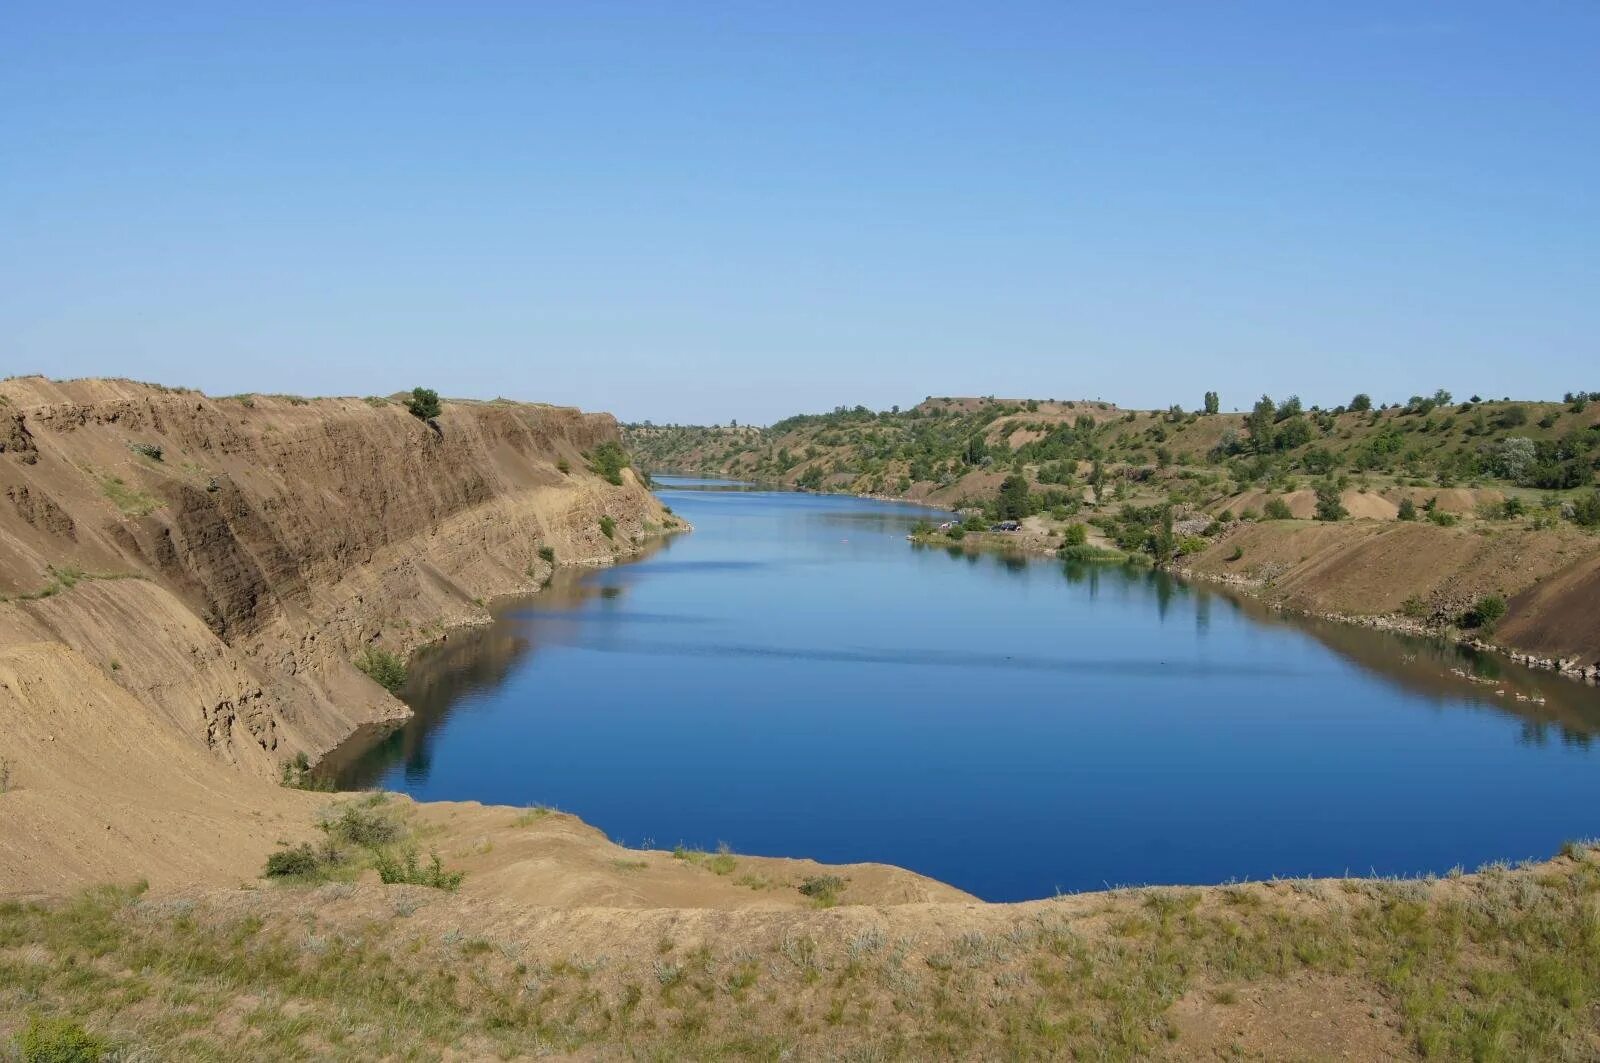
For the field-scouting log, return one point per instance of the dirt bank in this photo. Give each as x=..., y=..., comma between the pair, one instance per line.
x=1425, y=574
x=225, y=560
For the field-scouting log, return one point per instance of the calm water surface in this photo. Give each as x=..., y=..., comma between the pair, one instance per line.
x=794, y=678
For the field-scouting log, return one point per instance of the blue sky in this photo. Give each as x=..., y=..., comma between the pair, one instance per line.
x=698, y=212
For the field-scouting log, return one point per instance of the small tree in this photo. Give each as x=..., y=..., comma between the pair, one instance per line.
x=1361, y=403
x=1259, y=424
x=1408, y=510
x=1276, y=509
x=424, y=403
x=1013, y=502
x=1329, y=505
x=1213, y=402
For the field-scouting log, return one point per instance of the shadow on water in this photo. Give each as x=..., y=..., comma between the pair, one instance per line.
x=445, y=676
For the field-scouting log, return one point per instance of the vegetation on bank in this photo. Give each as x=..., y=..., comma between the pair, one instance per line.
x=1161, y=485
x=1094, y=452
x=1503, y=965
x=357, y=834
x=386, y=669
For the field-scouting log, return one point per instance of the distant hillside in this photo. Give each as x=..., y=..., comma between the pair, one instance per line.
x=950, y=450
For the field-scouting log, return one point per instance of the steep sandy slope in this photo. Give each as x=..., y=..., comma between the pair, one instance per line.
x=100, y=790
x=275, y=538
x=1550, y=579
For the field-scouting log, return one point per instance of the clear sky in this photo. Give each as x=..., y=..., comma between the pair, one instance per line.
x=703, y=211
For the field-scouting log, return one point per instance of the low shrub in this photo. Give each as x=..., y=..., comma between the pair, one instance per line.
x=1408, y=510
x=299, y=861
x=547, y=555
x=1276, y=509
x=61, y=1040
x=149, y=450
x=1586, y=510
x=608, y=527
x=297, y=775
x=384, y=668
x=823, y=889
x=408, y=871
x=366, y=823
x=1485, y=613
x=608, y=460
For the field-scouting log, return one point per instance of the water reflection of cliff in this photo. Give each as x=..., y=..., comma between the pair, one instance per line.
x=1551, y=707
x=443, y=678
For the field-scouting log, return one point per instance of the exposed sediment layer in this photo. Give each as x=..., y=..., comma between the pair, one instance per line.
x=225, y=560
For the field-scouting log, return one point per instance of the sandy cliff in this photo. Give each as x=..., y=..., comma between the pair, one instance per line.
x=1549, y=579
x=225, y=560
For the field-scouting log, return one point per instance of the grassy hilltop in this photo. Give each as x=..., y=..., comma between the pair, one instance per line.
x=1534, y=458
x=948, y=448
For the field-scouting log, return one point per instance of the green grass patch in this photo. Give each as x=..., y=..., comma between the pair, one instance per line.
x=131, y=501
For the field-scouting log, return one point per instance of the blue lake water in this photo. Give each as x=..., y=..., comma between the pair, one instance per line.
x=794, y=678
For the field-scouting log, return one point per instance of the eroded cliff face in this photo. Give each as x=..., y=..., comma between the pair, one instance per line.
x=226, y=560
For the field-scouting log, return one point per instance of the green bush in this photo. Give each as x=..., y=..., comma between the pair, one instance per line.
x=1276, y=509
x=1408, y=510
x=149, y=450
x=365, y=823
x=824, y=889
x=384, y=668
x=424, y=403
x=563, y=466
x=61, y=1040
x=547, y=555
x=608, y=527
x=408, y=871
x=1485, y=613
x=1586, y=510
x=297, y=775
x=608, y=461
x=300, y=861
